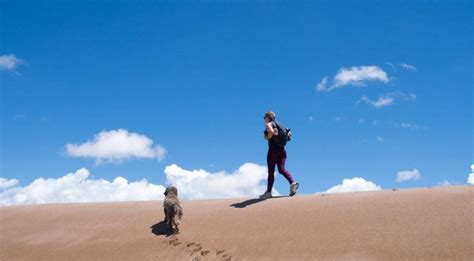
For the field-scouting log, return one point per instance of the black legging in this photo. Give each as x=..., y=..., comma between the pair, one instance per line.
x=277, y=156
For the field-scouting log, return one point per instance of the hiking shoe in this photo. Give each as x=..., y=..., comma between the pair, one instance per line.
x=266, y=195
x=293, y=187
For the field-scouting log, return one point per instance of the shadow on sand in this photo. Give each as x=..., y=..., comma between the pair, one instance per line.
x=252, y=201
x=161, y=229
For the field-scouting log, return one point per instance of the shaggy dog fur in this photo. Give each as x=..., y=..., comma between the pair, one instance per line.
x=172, y=208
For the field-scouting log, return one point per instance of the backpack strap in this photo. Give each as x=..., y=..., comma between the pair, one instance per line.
x=275, y=124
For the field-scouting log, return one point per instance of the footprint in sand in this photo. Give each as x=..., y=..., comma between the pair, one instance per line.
x=197, y=251
x=198, y=248
x=174, y=241
x=194, y=251
x=188, y=245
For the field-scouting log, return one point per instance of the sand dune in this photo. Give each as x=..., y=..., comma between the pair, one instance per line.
x=434, y=223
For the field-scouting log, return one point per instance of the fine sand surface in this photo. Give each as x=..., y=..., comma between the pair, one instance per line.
x=417, y=224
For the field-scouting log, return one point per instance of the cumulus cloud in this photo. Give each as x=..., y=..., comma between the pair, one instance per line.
x=408, y=175
x=246, y=181
x=249, y=180
x=354, y=184
x=408, y=67
x=356, y=76
x=470, y=179
x=9, y=62
x=115, y=146
x=387, y=99
x=77, y=187
x=359, y=75
x=6, y=183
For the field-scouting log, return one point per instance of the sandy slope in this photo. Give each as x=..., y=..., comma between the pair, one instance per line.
x=435, y=223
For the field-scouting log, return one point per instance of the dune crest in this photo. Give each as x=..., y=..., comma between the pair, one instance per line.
x=429, y=223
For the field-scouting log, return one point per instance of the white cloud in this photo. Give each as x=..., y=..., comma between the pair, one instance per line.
x=115, y=146
x=406, y=125
x=388, y=99
x=247, y=181
x=409, y=126
x=380, y=102
x=359, y=75
x=380, y=139
x=6, y=183
x=356, y=76
x=391, y=65
x=77, y=187
x=9, y=62
x=354, y=184
x=470, y=179
x=409, y=67
x=322, y=85
x=445, y=183
x=408, y=175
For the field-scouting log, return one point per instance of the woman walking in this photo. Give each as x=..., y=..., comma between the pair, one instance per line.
x=276, y=154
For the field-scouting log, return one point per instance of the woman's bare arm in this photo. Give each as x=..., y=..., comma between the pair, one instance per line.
x=270, y=130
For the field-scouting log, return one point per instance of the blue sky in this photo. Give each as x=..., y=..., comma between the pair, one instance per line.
x=196, y=78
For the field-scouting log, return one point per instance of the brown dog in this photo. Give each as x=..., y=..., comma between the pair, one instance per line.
x=172, y=208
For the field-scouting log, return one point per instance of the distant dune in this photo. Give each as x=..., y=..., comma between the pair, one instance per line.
x=429, y=223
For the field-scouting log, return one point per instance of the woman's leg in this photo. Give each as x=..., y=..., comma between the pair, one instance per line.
x=271, y=162
x=281, y=167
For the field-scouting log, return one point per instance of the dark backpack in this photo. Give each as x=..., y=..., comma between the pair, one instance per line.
x=282, y=138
